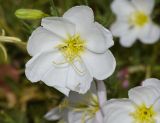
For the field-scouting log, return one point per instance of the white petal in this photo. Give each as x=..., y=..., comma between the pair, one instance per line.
x=156, y=106
x=129, y=37
x=144, y=95
x=79, y=15
x=152, y=82
x=119, y=28
x=144, y=5
x=75, y=97
x=79, y=80
x=57, y=78
x=98, y=117
x=75, y=117
x=100, y=66
x=41, y=67
x=150, y=33
x=42, y=40
x=54, y=114
x=107, y=34
x=122, y=8
x=95, y=38
x=157, y=118
x=118, y=110
x=59, y=26
x=102, y=92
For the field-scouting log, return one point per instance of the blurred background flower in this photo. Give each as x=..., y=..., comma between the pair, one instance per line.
x=21, y=101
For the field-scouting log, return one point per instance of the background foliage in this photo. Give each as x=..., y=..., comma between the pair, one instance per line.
x=24, y=102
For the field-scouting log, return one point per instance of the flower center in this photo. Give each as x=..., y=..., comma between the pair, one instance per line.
x=72, y=48
x=88, y=109
x=138, y=19
x=144, y=114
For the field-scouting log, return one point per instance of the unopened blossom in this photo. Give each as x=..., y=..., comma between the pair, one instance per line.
x=143, y=105
x=134, y=22
x=80, y=108
x=69, y=51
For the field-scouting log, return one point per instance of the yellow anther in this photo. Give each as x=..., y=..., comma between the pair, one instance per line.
x=144, y=115
x=138, y=19
x=72, y=48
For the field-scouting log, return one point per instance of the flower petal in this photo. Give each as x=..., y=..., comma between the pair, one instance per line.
x=93, y=35
x=107, y=34
x=42, y=67
x=75, y=117
x=59, y=26
x=98, y=117
x=118, y=110
x=54, y=114
x=42, y=40
x=119, y=28
x=100, y=66
x=77, y=13
x=57, y=78
x=150, y=33
x=101, y=91
x=152, y=82
x=144, y=5
x=82, y=97
x=122, y=8
x=156, y=105
x=80, y=80
x=129, y=37
x=144, y=95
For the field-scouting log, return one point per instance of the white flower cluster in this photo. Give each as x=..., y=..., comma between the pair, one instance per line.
x=134, y=22
x=71, y=51
x=143, y=106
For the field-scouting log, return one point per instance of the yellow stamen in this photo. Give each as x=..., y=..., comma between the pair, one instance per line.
x=89, y=109
x=144, y=115
x=138, y=19
x=72, y=48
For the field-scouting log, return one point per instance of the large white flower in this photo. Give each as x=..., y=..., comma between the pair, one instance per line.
x=143, y=105
x=134, y=22
x=80, y=108
x=69, y=51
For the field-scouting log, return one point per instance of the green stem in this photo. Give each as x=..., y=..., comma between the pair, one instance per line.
x=54, y=8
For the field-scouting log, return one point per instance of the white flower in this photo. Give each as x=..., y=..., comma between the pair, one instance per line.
x=69, y=51
x=80, y=108
x=143, y=105
x=134, y=22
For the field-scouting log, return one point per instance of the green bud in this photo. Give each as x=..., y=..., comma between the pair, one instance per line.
x=30, y=14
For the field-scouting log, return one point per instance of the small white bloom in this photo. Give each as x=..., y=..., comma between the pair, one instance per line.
x=134, y=22
x=69, y=51
x=79, y=108
x=143, y=105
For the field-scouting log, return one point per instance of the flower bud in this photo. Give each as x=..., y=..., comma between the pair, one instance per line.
x=29, y=14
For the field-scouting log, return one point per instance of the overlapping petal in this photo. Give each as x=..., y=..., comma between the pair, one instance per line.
x=118, y=110
x=150, y=33
x=101, y=66
x=77, y=15
x=122, y=8
x=42, y=40
x=58, y=25
x=144, y=5
x=93, y=35
x=144, y=95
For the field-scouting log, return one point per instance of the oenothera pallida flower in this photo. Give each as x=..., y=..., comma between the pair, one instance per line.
x=69, y=51
x=134, y=22
x=80, y=108
x=143, y=105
